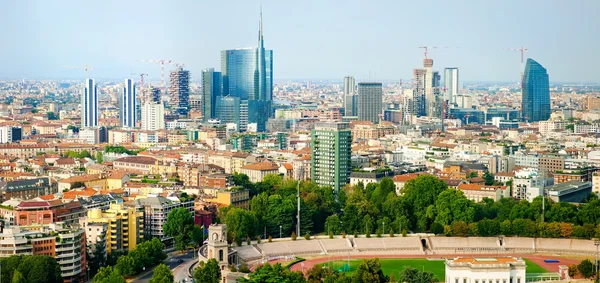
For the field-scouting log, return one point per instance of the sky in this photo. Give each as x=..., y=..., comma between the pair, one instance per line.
x=311, y=39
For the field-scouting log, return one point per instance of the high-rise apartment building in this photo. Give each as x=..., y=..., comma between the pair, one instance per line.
x=369, y=101
x=535, y=101
x=153, y=116
x=125, y=229
x=248, y=74
x=349, y=96
x=426, y=97
x=89, y=104
x=450, y=84
x=212, y=88
x=128, y=104
x=179, y=91
x=331, y=154
x=155, y=211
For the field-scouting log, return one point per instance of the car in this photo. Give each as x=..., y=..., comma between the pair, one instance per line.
x=180, y=260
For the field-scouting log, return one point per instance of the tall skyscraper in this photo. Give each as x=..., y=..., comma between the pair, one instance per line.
x=349, y=96
x=212, y=88
x=450, y=84
x=89, y=104
x=425, y=100
x=153, y=113
x=369, y=101
x=331, y=152
x=128, y=103
x=248, y=74
x=179, y=90
x=535, y=101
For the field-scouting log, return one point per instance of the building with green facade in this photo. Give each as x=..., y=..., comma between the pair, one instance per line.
x=331, y=151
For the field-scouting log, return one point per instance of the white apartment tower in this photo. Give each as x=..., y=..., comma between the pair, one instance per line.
x=153, y=116
x=450, y=84
x=128, y=104
x=89, y=104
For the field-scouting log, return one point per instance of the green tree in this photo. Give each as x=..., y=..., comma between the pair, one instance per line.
x=208, y=272
x=179, y=225
x=272, y=273
x=40, y=268
x=489, y=178
x=452, y=205
x=419, y=194
x=18, y=277
x=413, y=275
x=162, y=274
x=586, y=268
x=241, y=224
x=52, y=116
x=99, y=157
x=369, y=271
x=97, y=254
x=108, y=274
x=126, y=265
x=437, y=228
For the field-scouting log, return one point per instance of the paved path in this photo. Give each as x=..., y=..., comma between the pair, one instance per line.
x=172, y=262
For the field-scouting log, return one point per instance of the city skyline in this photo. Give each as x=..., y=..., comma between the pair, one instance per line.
x=47, y=38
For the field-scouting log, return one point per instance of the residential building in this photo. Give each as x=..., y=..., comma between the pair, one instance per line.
x=535, y=101
x=90, y=135
x=156, y=210
x=239, y=198
x=369, y=102
x=179, y=91
x=550, y=164
x=212, y=88
x=46, y=212
x=25, y=189
x=331, y=155
x=125, y=226
x=89, y=104
x=482, y=269
x=153, y=116
x=128, y=104
x=135, y=164
x=477, y=192
x=257, y=171
x=450, y=84
x=369, y=177
x=95, y=181
x=497, y=164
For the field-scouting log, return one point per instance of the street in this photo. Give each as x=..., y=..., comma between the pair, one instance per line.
x=178, y=269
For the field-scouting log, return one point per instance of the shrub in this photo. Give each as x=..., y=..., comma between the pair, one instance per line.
x=248, y=241
x=294, y=236
x=307, y=236
x=355, y=234
x=244, y=268
x=270, y=239
x=258, y=239
x=378, y=233
x=232, y=268
x=403, y=232
x=391, y=233
x=343, y=235
x=330, y=235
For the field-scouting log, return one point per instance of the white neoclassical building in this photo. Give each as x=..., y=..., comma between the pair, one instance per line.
x=485, y=270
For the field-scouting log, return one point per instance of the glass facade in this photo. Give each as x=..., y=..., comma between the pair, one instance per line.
x=89, y=104
x=535, y=102
x=212, y=88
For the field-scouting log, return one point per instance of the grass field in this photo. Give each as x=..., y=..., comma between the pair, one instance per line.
x=395, y=266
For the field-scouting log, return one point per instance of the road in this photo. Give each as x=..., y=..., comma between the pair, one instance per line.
x=178, y=269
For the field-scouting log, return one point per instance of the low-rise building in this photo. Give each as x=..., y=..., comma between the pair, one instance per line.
x=47, y=212
x=135, y=164
x=369, y=177
x=481, y=270
x=477, y=192
x=573, y=191
x=26, y=189
x=257, y=171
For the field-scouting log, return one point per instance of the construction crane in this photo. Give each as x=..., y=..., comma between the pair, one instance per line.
x=162, y=68
x=522, y=50
x=86, y=68
x=141, y=78
x=426, y=49
x=179, y=65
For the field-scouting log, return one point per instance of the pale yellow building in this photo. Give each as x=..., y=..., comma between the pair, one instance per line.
x=125, y=226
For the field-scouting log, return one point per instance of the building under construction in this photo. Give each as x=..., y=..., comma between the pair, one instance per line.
x=179, y=91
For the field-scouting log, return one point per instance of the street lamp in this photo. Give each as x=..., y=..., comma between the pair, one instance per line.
x=383, y=227
x=597, y=243
x=279, y=231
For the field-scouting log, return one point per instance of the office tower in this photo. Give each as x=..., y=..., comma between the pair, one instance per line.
x=179, y=91
x=212, y=88
x=331, y=152
x=450, y=84
x=89, y=104
x=153, y=116
x=535, y=101
x=349, y=96
x=369, y=101
x=128, y=104
x=248, y=74
x=228, y=110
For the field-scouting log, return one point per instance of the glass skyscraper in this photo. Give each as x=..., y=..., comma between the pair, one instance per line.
x=128, y=105
x=535, y=101
x=212, y=88
x=369, y=101
x=248, y=74
x=89, y=104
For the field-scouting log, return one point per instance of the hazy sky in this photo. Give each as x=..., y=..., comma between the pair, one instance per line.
x=311, y=39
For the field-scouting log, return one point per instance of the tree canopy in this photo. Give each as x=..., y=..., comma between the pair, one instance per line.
x=268, y=273
x=162, y=274
x=36, y=268
x=179, y=225
x=108, y=274
x=208, y=272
